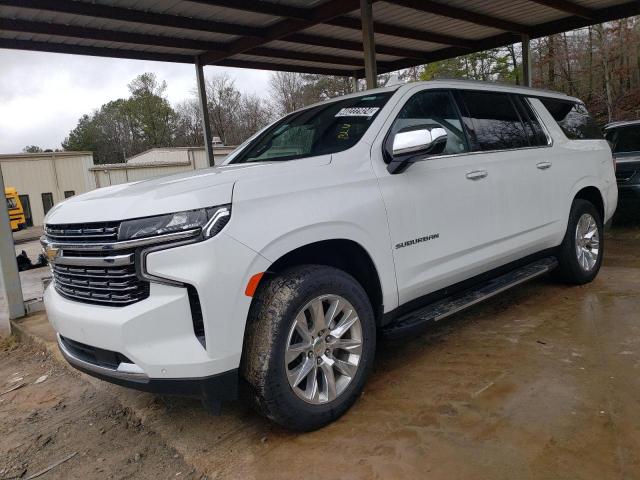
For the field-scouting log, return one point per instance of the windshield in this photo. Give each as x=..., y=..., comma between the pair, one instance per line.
x=11, y=202
x=624, y=139
x=323, y=129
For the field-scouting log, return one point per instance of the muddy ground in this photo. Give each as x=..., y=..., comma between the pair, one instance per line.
x=43, y=423
x=541, y=382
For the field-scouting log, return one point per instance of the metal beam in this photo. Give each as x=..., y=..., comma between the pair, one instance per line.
x=97, y=10
x=204, y=112
x=103, y=34
x=93, y=51
x=368, y=42
x=160, y=57
x=569, y=7
x=526, y=61
x=9, y=275
x=163, y=41
x=204, y=45
x=322, y=41
x=266, y=8
x=462, y=14
x=317, y=15
x=402, y=32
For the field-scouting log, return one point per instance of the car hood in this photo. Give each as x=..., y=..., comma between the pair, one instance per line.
x=184, y=191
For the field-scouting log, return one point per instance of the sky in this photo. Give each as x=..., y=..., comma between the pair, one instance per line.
x=42, y=95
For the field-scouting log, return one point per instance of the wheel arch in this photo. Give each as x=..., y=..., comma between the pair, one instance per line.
x=593, y=195
x=344, y=254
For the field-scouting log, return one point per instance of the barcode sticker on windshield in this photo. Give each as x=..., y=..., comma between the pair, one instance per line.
x=358, y=112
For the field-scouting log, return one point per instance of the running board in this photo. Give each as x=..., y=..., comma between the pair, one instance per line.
x=435, y=312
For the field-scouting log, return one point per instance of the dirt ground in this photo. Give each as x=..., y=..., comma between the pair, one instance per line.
x=541, y=382
x=45, y=422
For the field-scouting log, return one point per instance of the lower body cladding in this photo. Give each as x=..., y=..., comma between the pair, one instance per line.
x=151, y=345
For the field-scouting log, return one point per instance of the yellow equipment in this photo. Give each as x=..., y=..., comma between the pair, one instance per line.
x=16, y=213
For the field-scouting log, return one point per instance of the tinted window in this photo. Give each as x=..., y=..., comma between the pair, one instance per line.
x=436, y=108
x=494, y=121
x=536, y=134
x=47, y=202
x=69, y=193
x=624, y=139
x=573, y=119
x=324, y=129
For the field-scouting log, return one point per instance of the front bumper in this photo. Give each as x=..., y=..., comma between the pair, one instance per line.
x=156, y=335
x=220, y=387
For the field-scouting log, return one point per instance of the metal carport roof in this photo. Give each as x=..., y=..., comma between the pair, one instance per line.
x=313, y=36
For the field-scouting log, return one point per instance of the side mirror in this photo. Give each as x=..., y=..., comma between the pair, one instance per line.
x=412, y=142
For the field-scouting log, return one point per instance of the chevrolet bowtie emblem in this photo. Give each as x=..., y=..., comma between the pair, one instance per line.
x=51, y=253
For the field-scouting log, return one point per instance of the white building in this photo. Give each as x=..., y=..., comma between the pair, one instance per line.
x=44, y=179
x=156, y=162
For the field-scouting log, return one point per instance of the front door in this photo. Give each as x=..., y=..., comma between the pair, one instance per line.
x=439, y=209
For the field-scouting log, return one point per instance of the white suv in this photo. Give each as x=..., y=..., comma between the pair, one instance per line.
x=367, y=215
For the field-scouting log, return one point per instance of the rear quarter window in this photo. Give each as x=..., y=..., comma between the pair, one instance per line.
x=573, y=118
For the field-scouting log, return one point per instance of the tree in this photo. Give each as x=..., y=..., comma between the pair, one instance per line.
x=125, y=127
x=32, y=149
x=288, y=92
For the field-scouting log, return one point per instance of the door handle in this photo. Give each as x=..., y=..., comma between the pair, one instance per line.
x=543, y=165
x=477, y=174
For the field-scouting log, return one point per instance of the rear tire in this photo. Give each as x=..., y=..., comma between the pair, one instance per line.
x=303, y=373
x=580, y=254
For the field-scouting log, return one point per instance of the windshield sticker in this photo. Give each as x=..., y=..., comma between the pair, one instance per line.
x=358, y=112
x=343, y=133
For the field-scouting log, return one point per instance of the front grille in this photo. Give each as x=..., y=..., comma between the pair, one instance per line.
x=99, y=277
x=94, y=232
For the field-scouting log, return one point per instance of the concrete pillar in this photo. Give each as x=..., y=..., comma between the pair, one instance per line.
x=10, y=285
x=354, y=84
x=204, y=111
x=368, y=44
x=526, y=61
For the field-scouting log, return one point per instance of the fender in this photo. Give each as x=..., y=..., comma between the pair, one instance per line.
x=335, y=230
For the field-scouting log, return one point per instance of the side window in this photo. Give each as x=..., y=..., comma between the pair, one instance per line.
x=433, y=107
x=537, y=136
x=47, y=202
x=573, y=119
x=69, y=193
x=494, y=121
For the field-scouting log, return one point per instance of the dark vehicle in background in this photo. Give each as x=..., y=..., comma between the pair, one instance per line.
x=624, y=138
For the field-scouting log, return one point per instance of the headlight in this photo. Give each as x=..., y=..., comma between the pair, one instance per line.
x=205, y=221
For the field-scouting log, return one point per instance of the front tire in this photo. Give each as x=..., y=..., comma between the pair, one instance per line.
x=309, y=346
x=580, y=254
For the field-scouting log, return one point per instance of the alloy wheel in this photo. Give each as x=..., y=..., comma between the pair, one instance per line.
x=323, y=349
x=587, y=242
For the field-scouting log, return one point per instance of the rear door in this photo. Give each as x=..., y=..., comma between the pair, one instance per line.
x=439, y=209
x=507, y=131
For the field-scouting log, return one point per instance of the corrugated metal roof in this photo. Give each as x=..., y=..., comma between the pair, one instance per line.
x=319, y=36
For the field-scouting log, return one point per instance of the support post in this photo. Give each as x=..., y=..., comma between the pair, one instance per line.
x=9, y=277
x=526, y=60
x=354, y=84
x=204, y=112
x=368, y=44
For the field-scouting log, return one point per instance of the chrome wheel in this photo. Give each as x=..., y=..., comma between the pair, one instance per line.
x=587, y=242
x=324, y=347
